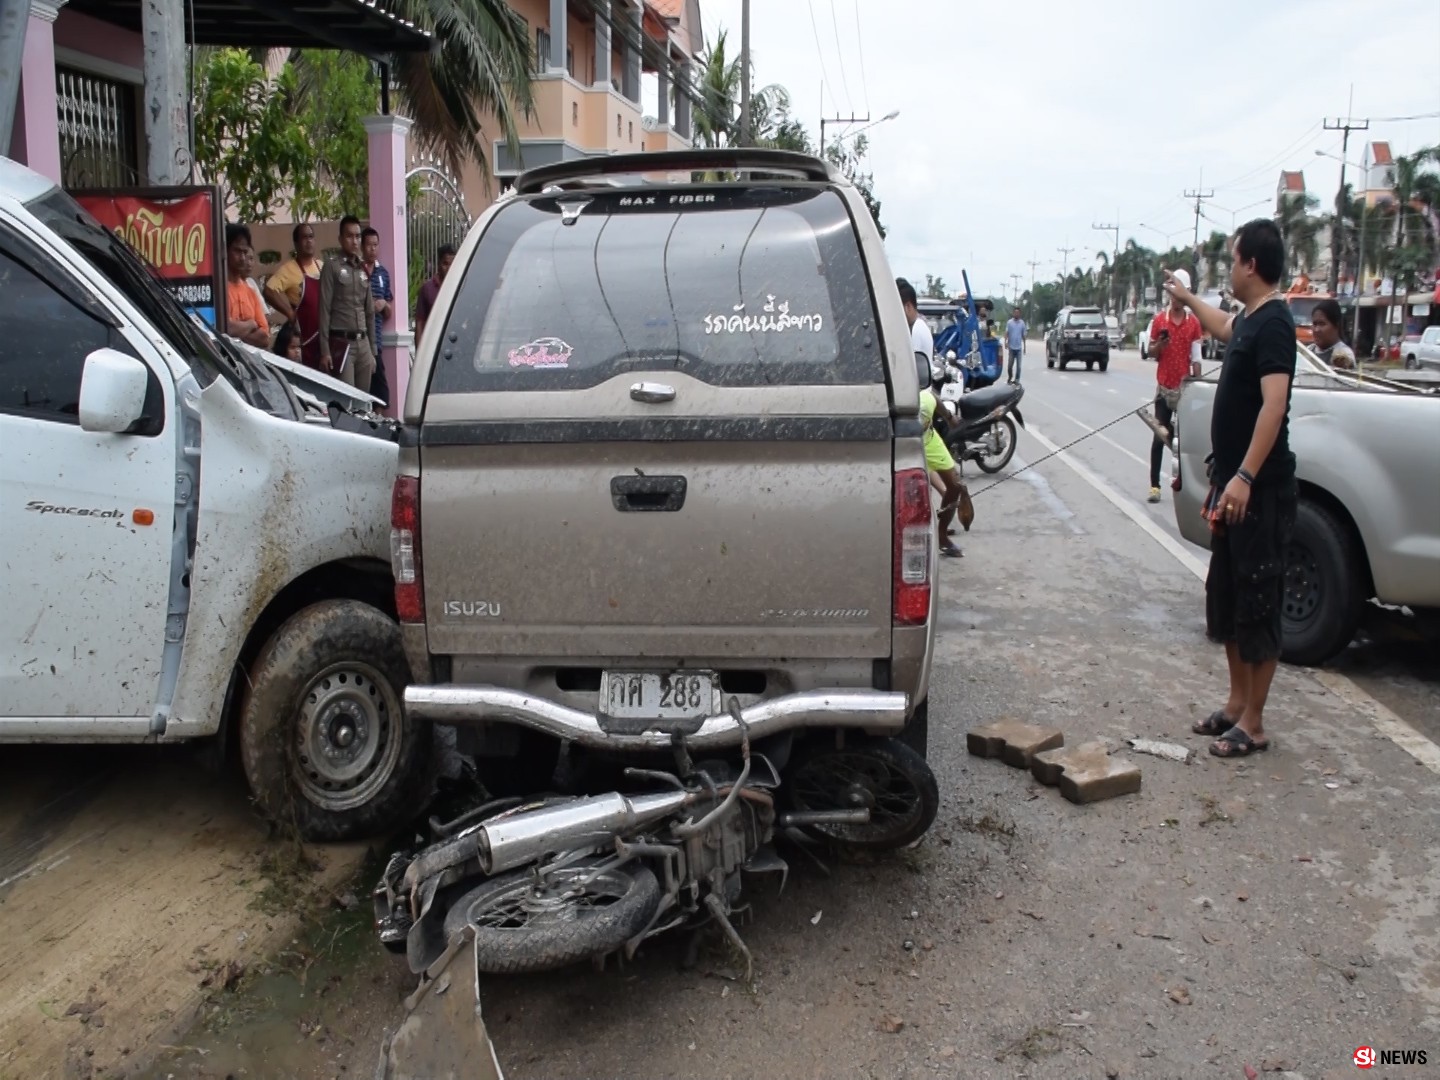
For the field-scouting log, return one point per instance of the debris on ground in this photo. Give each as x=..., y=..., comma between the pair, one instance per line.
x=1168, y=751
x=892, y=1025
x=1180, y=995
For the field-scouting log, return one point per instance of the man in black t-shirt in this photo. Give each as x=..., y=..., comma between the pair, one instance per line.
x=1252, y=500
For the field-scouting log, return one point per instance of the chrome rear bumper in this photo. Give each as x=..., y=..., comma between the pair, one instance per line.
x=875, y=711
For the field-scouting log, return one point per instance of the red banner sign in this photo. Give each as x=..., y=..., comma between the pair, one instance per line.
x=176, y=230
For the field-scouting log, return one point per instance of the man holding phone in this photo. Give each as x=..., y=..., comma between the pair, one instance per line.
x=1175, y=339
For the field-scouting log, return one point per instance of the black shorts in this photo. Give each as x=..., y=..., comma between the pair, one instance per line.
x=1245, y=589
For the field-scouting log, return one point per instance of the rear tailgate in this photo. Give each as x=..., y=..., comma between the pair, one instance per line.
x=661, y=431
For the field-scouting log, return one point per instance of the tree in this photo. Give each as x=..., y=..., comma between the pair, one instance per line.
x=480, y=66
x=719, y=90
x=1300, y=230
x=849, y=160
x=246, y=137
x=935, y=288
x=294, y=141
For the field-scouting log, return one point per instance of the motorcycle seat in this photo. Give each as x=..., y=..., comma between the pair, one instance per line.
x=976, y=404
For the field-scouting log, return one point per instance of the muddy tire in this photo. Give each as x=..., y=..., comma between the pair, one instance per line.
x=885, y=776
x=519, y=930
x=324, y=739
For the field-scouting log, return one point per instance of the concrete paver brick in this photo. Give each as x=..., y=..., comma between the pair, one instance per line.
x=1013, y=741
x=1086, y=773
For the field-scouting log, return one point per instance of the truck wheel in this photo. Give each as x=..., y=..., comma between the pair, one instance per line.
x=324, y=738
x=1105, y=364
x=1324, y=595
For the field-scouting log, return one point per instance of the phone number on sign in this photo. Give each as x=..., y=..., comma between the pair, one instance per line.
x=193, y=294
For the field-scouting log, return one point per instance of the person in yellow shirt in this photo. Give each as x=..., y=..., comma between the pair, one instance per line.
x=294, y=291
x=244, y=313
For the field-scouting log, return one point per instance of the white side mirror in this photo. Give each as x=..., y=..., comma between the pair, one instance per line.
x=112, y=392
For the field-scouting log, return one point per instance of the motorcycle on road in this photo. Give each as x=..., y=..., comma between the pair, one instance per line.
x=549, y=881
x=979, y=425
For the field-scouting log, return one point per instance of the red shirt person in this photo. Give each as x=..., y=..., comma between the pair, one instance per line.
x=1175, y=336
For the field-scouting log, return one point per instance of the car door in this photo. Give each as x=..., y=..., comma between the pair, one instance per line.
x=87, y=518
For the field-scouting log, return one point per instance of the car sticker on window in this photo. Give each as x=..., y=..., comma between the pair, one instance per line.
x=774, y=320
x=548, y=354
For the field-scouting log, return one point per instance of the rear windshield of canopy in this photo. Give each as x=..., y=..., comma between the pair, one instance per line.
x=734, y=286
x=1086, y=318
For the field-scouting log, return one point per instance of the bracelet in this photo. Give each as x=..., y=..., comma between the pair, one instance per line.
x=1244, y=474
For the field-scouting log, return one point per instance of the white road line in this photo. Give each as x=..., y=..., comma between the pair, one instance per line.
x=1126, y=507
x=1383, y=719
x=1099, y=435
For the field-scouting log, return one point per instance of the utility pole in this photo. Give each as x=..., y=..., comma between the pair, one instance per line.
x=167, y=128
x=1065, y=276
x=1114, y=272
x=744, y=72
x=839, y=120
x=1030, y=315
x=1200, y=195
x=1346, y=125
x=1015, y=283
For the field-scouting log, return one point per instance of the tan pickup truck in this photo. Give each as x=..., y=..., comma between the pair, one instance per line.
x=662, y=451
x=1368, y=462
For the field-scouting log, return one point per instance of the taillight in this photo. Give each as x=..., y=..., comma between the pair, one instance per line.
x=914, y=532
x=405, y=550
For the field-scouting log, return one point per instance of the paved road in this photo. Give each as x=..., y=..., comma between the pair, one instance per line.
x=1393, y=660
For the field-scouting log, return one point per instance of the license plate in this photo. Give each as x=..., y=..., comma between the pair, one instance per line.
x=632, y=697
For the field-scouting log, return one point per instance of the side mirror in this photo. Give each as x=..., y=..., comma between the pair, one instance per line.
x=923, y=370
x=112, y=392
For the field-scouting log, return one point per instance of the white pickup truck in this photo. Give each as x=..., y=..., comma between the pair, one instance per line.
x=1368, y=525
x=194, y=545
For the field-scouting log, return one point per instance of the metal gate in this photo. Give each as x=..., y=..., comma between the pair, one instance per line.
x=98, y=138
x=436, y=215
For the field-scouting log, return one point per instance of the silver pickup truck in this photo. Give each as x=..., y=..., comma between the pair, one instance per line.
x=1368, y=462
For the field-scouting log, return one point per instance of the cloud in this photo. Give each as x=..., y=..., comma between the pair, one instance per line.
x=1021, y=126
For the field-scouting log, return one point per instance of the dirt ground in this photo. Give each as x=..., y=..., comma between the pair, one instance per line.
x=133, y=885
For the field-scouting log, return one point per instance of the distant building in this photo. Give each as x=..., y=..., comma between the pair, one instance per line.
x=1378, y=168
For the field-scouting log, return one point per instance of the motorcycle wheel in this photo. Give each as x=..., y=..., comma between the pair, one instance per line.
x=522, y=925
x=884, y=776
x=993, y=463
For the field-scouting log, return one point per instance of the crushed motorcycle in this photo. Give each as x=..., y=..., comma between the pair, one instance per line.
x=547, y=881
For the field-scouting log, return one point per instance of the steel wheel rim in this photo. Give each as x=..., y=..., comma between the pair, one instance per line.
x=852, y=779
x=347, y=738
x=1302, y=584
x=565, y=896
x=1000, y=432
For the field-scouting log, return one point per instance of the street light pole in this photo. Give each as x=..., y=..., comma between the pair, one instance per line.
x=1065, y=275
x=745, y=74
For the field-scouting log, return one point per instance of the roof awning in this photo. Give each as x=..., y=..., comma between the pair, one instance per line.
x=358, y=26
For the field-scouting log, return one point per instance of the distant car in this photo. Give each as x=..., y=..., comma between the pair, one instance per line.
x=1078, y=334
x=1113, y=334
x=1424, y=351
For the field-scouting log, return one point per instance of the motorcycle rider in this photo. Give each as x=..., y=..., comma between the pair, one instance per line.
x=943, y=474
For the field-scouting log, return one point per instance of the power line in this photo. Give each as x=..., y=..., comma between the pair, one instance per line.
x=840, y=58
x=1405, y=119
x=824, y=75
x=1310, y=133
x=860, y=41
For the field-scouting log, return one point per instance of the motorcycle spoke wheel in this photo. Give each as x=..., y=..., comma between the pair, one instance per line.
x=883, y=776
x=525, y=923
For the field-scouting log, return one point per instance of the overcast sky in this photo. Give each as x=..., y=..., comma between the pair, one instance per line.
x=1051, y=115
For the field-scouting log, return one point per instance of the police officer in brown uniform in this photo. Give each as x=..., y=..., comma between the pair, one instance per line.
x=347, y=312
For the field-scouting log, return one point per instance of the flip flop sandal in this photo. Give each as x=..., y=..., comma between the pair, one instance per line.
x=951, y=551
x=1214, y=725
x=1237, y=743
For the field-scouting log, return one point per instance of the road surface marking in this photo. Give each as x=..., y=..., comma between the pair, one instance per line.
x=1126, y=507
x=1381, y=718
x=1099, y=435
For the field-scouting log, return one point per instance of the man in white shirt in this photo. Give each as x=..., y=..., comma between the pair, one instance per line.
x=921, y=339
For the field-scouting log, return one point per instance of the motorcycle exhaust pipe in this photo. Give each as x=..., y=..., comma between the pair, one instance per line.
x=593, y=821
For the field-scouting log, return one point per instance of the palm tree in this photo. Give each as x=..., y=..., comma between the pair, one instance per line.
x=1299, y=229
x=719, y=89
x=480, y=67
x=1214, y=251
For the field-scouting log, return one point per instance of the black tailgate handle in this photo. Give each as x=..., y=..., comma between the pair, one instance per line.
x=648, y=494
